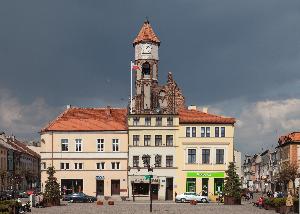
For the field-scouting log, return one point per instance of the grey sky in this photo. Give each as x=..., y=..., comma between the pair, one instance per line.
x=233, y=56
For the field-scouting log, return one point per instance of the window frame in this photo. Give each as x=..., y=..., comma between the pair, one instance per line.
x=135, y=140
x=64, y=143
x=217, y=131
x=100, y=165
x=203, y=132
x=220, y=155
x=115, y=145
x=168, y=160
x=158, y=137
x=207, y=131
x=148, y=140
x=170, y=121
x=100, y=145
x=169, y=138
x=135, y=161
x=147, y=121
x=78, y=142
x=136, y=121
x=223, y=131
x=187, y=131
x=158, y=121
x=205, y=155
x=193, y=156
x=194, y=132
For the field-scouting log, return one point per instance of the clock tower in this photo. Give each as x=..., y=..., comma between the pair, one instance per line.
x=150, y=98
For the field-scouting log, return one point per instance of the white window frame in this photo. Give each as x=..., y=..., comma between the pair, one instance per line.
x=65, y=143
x=115, y=145
x=101, y=165
x=77, y=144
x=100, y=145
x=115, y=165
x=187, y=155
x=76, y=166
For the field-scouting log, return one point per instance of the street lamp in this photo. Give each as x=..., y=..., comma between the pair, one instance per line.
x=146, y=161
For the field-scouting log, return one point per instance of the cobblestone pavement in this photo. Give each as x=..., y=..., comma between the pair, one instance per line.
x=140, y=208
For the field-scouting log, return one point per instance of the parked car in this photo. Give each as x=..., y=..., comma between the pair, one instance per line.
x=80, y=197
x=5, y=195
x=30, y=192
x=189, y=196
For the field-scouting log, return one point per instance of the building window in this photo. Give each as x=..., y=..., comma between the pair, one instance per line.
x=157, y=160
x=100, y=145
x=78, y=145
x=146, y=69
x=169, y=140
x=202, y=131
x=170, y=121
x=64, y=166
x=136, y=161
x=147, y=139
x=188, y=131
x=205, y=156
x=169, y=161
x=44, y=165
x=158, y=121
x=115, y=165
x=191, y=155
x=101, y=165
x=220, y=156
x=147, y=121
x=193, y=131
x=207, y=131
x=222, y=131
x=158, y=140
x=146, y=160
x=217, y=130
x=78, y=165
x=115, y=145
x=64, y=145
x=136, y=140
x=136, y=121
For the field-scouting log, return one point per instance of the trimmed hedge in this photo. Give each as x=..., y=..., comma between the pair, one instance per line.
x=8, y=206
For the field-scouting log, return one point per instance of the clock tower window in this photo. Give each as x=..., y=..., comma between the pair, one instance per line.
x=146, y=69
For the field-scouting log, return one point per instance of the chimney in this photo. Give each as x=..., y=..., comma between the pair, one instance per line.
x=192, y=107
x=69, y=106
x=205, y=109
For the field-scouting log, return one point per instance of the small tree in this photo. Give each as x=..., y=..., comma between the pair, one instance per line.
x=232, y=186
x=52, y=188
x=287, y=172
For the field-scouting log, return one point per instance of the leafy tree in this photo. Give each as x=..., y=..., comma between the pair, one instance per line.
x=232, y=185
x=52, y=188
x=287, y=172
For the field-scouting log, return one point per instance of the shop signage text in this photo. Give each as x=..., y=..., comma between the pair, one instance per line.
x=205, y=174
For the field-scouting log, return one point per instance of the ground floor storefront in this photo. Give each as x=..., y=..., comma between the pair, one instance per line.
x=161, y=187
x=206, y=183
x=94, y=183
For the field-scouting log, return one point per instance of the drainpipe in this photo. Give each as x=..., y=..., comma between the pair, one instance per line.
x=52, y=149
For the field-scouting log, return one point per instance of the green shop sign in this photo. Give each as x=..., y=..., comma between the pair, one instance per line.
x=205, y=174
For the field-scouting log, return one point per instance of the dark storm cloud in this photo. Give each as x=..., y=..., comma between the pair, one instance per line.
x=78, y=52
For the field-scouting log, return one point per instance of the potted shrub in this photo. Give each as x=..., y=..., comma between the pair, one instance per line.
x=232, y=187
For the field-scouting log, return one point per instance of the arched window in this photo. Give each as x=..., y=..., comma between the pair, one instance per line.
x=146, y=68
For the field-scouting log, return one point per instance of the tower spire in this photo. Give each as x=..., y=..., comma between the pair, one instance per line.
x=146, y=34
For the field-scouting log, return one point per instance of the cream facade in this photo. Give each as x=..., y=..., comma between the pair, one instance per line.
x=202, y=157
x=158, y=140
x=94, y=162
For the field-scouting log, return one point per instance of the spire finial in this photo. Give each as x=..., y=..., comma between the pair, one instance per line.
x=146, y=20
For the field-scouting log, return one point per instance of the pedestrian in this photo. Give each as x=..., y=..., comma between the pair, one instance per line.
x=251, y=195
x=260, y=202
x=289, y=203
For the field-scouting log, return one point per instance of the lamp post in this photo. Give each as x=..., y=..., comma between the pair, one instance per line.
x=146, y=161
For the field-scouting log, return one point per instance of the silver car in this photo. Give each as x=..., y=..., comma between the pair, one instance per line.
x=190, y=196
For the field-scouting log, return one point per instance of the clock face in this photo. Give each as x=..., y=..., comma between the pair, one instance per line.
x=146, y=49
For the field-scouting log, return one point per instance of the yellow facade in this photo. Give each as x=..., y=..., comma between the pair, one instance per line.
x=199, y=171
x=88, y=157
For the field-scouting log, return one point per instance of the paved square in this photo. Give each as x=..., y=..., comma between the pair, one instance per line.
x=140, y=208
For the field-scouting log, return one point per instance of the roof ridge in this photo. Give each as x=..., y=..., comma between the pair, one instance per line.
x=57, y=118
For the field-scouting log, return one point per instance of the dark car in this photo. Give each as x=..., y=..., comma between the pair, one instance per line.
x=80, y=197
x=5, y=195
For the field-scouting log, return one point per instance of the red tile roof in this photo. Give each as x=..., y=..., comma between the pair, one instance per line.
x=289, y=138
x=21, y=147
x=89, y=119
x=146, y=34
x=195, y=116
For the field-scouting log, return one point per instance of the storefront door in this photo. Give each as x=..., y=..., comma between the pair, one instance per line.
x=169, y=189
x=154, y=190
x=99, y=187
x=191, y=184
x=205, y=186
x=219, y=185
x=115, y=187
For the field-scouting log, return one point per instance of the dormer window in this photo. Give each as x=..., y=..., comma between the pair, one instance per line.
x=146, y=69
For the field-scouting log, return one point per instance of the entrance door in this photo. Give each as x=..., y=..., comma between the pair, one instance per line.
x=99, y=187
x=169, y=189
x=205, y=186
x=154, y=190
x=115, y=187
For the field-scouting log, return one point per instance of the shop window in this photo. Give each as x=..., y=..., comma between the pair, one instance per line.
x=205, y=186
x=140, y=188
x=69, y=186
x=218, y=185
x=191, y=185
